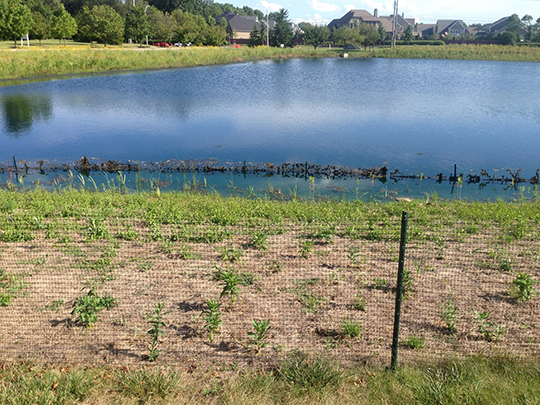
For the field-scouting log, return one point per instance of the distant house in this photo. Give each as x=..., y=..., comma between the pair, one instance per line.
x=240, y=27
x=354, y=17
x=498, y=27
x=446, y=29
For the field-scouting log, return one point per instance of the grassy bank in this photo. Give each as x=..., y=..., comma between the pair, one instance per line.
x=76, y=59
x=471, y=52
x=499, y=380
x=61, y=61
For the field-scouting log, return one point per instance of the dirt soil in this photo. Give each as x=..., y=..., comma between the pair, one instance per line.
x=307, y=292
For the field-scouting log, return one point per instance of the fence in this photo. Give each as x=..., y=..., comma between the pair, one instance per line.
x=324, y=286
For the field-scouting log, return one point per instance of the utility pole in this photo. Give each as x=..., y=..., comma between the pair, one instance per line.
x=394, y=24
x=267, y=28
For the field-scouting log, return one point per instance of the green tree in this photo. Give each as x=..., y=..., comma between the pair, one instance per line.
x=382, y=33
x=42, y=27
x=282, y=32
x=315, y=35
x=15, y=20
x=137, y=24
x=509, y=37
x=346, y=36
x=369, y=33
x=63, y=24
x=101, y=23
x=189, y=27
x=214, y=35
x=257, y=37
x=408, y=34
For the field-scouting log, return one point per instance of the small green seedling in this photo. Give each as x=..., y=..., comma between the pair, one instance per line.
x=449, y=313
x=212, y=317
x=230, y=254
x=350, y=329
x=155, y=320
x=490, y=331
x=230, y=285
x=259, y=240
x=415, y=342
x=258, y=338
x=306, y=247
x=522, y=287
x=359, y=303
x=88, y=306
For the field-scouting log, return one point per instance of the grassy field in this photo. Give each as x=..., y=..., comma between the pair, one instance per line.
x=478, y=380
x=52, y=59
x=315, y=270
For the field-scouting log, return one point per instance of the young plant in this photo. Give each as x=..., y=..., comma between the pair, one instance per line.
x=415, y=342
x=354, y=256
x=212, y=317
x=491, y=332
x=230, y=284
x=522, y=287
x=306, y=247
x=155, y=320
x=259, y=240
x=230, y=254
x=449, y=313
x=89, y=306
x=258, y=338
x=407, y=284
x=359, y=303
x=350, y=329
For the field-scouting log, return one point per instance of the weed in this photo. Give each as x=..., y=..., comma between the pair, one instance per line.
x=323, y=234
x=354, y=256
x=359, y=303
x=490, y=331
x=230, y=254
x=310, y=302
x=259, y=240
x=156, y=330
x=230, y=284
x=212, y=317
x=128, y=234
x=414, y=342
x=379, y=283
x=408, y=281
x=276, y=266
x=166, y=247
x=522, y=287
x=96, y=229
x=88, y=306
x=144, y=266
x=185, y=253
x=258, y=338
x=10, y=285
x=306, y=247
x=350, y=329
x=315, y=373
x=449, y=313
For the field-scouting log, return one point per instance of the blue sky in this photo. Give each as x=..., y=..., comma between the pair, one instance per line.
x=426, y=11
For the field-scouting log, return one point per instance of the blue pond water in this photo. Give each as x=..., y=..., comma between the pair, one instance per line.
x=419, y=117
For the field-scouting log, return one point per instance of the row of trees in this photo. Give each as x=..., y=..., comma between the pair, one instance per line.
x=114, y=21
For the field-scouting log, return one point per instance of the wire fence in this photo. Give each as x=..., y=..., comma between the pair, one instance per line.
x=88, y=291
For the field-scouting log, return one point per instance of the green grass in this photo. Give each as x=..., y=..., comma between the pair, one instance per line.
x=295, y=379
x=51, y=59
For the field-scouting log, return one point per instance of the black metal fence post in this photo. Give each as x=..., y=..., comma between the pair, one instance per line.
x=399, y=289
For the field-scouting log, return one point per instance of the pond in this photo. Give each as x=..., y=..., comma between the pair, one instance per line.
x=418, y=118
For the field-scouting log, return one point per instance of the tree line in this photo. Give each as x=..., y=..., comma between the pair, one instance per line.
x=116, y=21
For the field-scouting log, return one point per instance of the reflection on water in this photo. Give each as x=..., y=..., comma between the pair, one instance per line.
x=20, y=112
x=420, y=117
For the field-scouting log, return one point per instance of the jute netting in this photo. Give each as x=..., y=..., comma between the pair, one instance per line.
x=322, y=287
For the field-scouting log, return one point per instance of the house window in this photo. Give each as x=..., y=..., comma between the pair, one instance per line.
x=455, y=32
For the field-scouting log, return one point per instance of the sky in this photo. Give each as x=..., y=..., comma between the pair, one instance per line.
x=424, y=11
